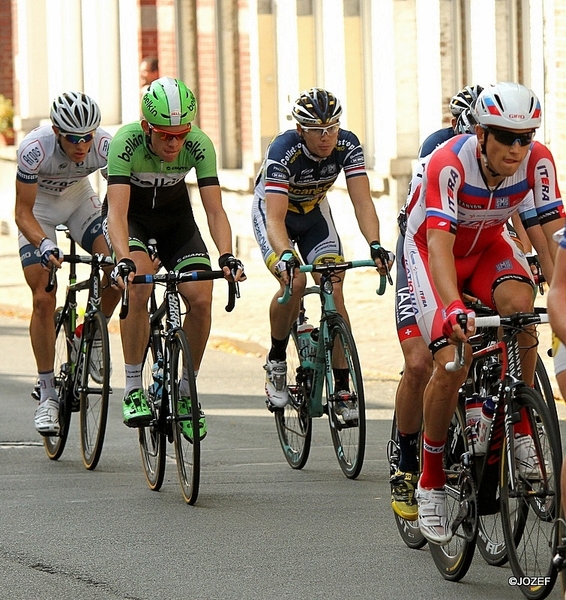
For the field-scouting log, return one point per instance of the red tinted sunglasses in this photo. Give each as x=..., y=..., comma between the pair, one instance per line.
x=167, y=136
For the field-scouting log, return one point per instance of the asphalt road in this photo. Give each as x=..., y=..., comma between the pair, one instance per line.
x=259, y=529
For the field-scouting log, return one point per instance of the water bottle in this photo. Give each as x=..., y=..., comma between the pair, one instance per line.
x=303, y=336
x=76, y=342
x=473, y=413
x=156, y=389
x=484, y=424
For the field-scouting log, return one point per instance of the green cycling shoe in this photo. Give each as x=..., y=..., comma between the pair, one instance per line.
x=183, y=408
x=135, y=409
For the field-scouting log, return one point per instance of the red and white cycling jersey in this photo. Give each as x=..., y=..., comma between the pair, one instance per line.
x=454, y=197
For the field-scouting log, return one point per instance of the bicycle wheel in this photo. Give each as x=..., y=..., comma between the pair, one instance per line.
x=55, y=444
x=152, y=438
x=187, y=449
x=454, y=559
x=543, y=385
x=348, y=436
x=94, y=389
x=293, y=422
x=530, y=554
x=408, y=530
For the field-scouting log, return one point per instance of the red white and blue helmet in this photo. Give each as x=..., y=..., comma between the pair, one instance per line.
x=508, y=105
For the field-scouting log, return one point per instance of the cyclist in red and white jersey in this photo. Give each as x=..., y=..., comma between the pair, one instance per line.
x=456, y=238
x=52, y=188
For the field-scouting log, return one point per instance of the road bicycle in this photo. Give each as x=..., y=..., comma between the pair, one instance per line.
x=490, y=540
x=479, y=486
x=309, y=365
x=82, y=365
x=167, y=362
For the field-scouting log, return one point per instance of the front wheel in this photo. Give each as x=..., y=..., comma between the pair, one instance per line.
x=293, y=422
x=94, y=389
x=186, y=416
x=454, y=559
x=346, y=407
x=531, y=485
x=64, y=375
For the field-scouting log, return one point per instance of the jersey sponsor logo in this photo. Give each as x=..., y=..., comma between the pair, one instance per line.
x=277, y=175
x=149, y=105
x=545, y=182
x=317, y=191
x=453, y=177
x=26, y=176
x=32, y=157
x=504, y=265
x=132, y=143
x=196, y=149
x=156, y=181
x=502, y=202
x=291, y=155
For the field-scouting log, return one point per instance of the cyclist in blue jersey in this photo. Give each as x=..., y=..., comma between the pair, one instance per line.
x=291, y=209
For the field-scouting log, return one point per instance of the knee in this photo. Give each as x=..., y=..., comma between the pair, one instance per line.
x=43, y=304
x=418, y=361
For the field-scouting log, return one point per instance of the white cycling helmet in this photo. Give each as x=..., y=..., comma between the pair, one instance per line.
x=508, y=105
x=75, y=112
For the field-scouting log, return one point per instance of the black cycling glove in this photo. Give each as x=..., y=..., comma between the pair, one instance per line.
x=122, y=269
x=233, y=263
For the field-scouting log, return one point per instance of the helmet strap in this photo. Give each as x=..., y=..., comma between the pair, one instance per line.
x=484, y=157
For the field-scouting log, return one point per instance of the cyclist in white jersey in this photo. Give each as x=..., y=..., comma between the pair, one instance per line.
x=52, y=188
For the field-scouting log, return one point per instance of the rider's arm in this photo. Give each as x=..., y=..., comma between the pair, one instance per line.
x=218, y=223
x=556, y=301
x=359, y=191
x=540, y=243
x=276, y=206
x=442, y=266
x=25, y=219
x=118, y=202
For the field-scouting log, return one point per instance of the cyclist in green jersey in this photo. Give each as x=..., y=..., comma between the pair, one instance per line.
x=148, y=198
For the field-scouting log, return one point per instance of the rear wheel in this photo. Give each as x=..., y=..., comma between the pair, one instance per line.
x=348, y=431
x=186, y=412
x=152, y=438
x=453, y=560
x=94, y=388
x=55, y=444
x=293, y=422
x=535, y=495
x=408, y=530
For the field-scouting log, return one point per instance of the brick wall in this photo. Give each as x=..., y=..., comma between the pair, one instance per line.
x=558, y=135
x=148, y=38
x=6, y=50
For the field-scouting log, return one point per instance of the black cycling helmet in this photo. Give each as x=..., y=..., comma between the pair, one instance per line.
x=317, y=107
x=464, y=99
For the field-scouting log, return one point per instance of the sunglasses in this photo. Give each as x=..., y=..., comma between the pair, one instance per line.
x=508, y=138
x=167, y=136
x=77, y=138
x=320, y=131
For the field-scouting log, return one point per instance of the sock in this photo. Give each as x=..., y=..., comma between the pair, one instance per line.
x=408, y=448
x=47, y=386
x=278, y=349
x=133, y=378
x=433, y=474
x=341, y=379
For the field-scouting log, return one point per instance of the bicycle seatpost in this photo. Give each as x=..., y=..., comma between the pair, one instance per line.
x=459, y=355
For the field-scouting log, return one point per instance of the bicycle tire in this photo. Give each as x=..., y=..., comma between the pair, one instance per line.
x=293, y=422
x=152, y=438
x=408, y=530
x=543, y=385
x=94, y=391
x=55, y=444
x=454, y=559
x=348, y=437
x=530, y=555
x=187, y=450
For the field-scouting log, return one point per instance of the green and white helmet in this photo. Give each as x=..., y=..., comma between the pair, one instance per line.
x=168, y=101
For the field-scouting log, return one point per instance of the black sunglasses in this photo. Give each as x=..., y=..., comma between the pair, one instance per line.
x=508, y=138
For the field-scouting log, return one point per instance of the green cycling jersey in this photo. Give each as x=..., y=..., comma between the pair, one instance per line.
x=131, y=161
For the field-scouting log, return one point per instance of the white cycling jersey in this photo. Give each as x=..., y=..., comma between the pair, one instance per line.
x=41, y=160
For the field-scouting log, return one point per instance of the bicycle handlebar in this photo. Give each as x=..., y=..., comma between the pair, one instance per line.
x=99, y=259
x=514, y=320
x=179, y=278
x=331, y=267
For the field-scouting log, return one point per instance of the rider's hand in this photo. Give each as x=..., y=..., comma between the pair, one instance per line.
x=451, y=328
x=382, y=257
x=233, y=268
x=121, y=271
x=50, y=254
x=286, y=265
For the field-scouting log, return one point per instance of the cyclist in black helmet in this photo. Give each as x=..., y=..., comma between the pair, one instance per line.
x=291, y=212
